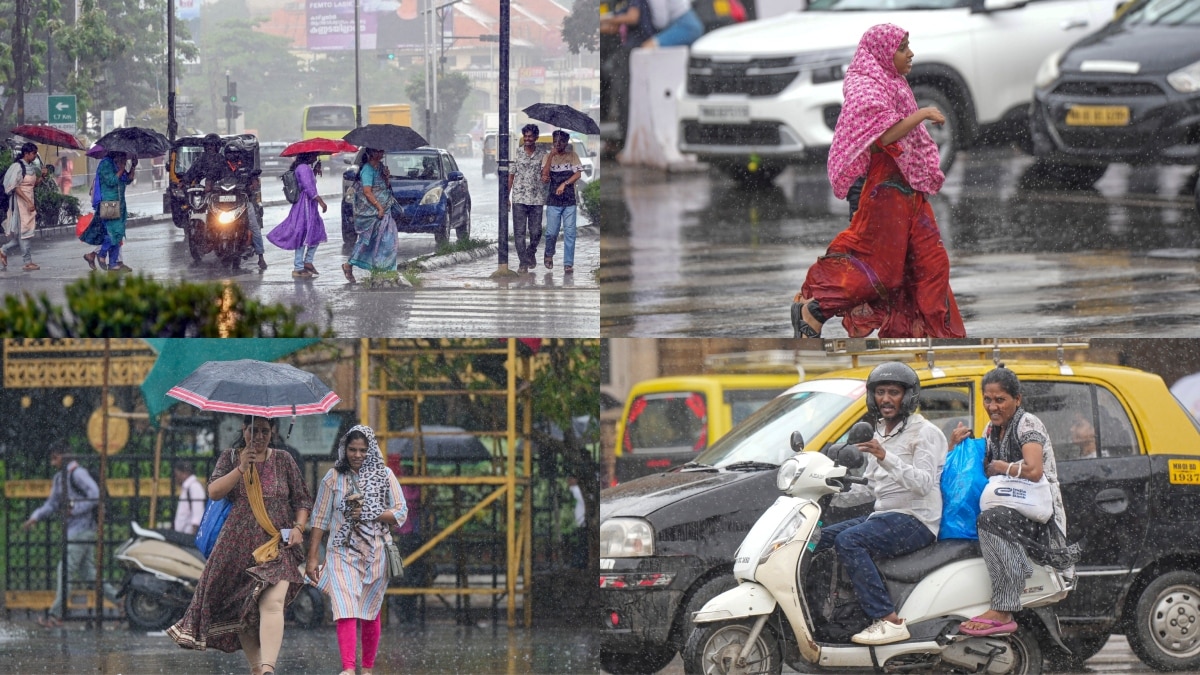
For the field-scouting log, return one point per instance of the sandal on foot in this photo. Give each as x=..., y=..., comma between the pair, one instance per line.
x=568, y=269
x=801, y=327
x=3, y=260
x=348, y=271
x=90, y=258
x=993, y=627
x=549, y=263
x=29, y=267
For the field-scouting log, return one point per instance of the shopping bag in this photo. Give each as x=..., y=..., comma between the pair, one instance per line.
x=1031, y=499
x=210, y=525
x=963, y=481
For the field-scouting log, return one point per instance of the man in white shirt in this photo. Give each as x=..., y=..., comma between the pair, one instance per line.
x=904, y=469
x=192, y=498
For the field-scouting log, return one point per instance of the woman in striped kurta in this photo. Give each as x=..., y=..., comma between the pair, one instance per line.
x=358, y=502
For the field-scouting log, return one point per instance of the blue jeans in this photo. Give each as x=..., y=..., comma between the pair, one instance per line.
x=882, y=535
x=682, y=32
x=304, y=254
x=256, y=238
x=563, y=216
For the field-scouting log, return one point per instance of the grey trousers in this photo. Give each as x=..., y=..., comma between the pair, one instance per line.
x=527, y=222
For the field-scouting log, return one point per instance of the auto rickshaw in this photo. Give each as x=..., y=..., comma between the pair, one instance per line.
x=180, y=157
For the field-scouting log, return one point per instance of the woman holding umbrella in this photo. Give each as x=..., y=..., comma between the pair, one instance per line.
x=358, y=501
x=375, y=248
x=303, y=229
x=254, y=569
x=113, y=175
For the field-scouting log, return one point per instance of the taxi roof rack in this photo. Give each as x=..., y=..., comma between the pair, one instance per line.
x=928, y=348
x=769, y=361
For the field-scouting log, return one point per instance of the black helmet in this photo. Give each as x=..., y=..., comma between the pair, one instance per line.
x=901, y=374
x=211, y=141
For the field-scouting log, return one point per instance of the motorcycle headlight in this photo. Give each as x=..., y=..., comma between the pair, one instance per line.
x=226, y=217
x=1048, y=72
x=626, y=538
x=1186, y=80
x=432, y=196
x=787, y=473
x=782, y=534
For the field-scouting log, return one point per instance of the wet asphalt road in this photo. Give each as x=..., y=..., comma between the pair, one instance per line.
x=696, y=254
x=459, y=300
x=439, y=647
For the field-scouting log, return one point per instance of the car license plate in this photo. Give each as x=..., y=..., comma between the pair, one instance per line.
x=1185, y=472
x=227, y=198
x=1098, y=116
x=725, y=114
x=608, y=563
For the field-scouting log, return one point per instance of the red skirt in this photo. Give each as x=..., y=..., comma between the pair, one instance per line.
x=889, y=270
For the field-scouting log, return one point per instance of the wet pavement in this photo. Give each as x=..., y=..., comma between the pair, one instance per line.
x=455, y=297
x=438, y=647
x=696, y=254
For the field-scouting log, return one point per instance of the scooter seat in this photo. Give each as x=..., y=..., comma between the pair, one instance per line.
x=911, y=568
x=179, y=538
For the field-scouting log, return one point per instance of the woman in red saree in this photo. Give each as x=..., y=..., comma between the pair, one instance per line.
x=889, y=270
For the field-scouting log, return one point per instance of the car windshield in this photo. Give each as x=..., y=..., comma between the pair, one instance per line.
x=407, y=165
x=1163, y=13
x=765, y=436
x=883, y=5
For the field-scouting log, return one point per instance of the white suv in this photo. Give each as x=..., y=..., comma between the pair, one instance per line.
x=764, y=94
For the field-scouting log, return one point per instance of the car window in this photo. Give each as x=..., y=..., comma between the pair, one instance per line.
x=1084, y=421
x=451, y=165
x=947, y=405
x=414, y=166
x=1163, y=13
x=766, y=435
x=745, y=402
x=667, y=422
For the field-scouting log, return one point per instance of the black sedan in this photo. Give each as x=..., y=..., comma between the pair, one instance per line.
x=1128, y=93
x=431, y=194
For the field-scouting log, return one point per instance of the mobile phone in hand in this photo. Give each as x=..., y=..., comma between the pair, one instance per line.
x=286, y=533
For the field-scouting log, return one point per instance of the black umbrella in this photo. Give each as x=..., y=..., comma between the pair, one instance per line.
x=451, y=445
x=563, y=117
x=386, y=137
x=135, y=141
x=259, y=388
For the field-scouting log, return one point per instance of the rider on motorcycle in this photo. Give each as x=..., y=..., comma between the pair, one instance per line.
x=904, y=466
x=236, y=162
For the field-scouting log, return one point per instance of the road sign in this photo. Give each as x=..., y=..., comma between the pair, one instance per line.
x=62, y=112
x=35, y=107
x=184, y=108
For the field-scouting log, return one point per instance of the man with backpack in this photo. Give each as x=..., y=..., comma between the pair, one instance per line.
x=19, y=182
x=76, y=501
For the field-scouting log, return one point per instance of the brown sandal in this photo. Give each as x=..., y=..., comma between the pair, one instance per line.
x=49, y=622
x=348, y=271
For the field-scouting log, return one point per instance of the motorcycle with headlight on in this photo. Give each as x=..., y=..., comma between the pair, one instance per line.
x=784, y=611
x=220, y=223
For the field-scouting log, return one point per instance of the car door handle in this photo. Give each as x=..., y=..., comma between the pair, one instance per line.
x=1112, y=500
x=1072, y=24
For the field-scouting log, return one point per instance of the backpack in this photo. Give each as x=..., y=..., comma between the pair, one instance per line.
x=291, y=186
x=6, y=193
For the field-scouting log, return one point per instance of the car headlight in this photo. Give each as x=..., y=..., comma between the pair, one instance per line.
x=1186, y=80
x=1048, y=72
x=782, y=534
x=626, y=538
x=432, y=196
x=826, y=66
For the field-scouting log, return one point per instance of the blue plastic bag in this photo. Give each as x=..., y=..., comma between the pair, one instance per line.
x=963, y=481
x=210, y=525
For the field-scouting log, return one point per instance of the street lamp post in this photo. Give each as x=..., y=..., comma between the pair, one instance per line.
x=357, y=95
x=172, y=124
x=502, y=144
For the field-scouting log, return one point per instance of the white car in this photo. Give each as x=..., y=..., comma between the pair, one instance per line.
x=765, y=94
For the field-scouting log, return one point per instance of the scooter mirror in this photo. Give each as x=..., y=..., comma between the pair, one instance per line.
x=846, y=454
x=797, y=441
x=861, y=432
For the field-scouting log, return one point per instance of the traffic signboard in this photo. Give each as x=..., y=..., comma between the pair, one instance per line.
x=62, y=112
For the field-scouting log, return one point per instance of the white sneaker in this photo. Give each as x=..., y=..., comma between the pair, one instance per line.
x=882, y=632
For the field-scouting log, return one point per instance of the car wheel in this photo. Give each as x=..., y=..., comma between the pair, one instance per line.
x=463, y=232
x=1165, y=632
x=947, y=136
x=649, y=660
x=1072, y=176
x=348, y=233
x=441, y=236
x=1082, y=649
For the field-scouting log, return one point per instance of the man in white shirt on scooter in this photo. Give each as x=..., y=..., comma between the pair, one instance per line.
x=904, y=467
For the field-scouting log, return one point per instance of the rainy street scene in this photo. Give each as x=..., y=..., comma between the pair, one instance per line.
x=350, y=175
x=774, y=505
x=299, y=505
x=1063, y=130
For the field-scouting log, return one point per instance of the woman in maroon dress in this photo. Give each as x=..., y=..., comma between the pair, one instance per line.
x=251, y=574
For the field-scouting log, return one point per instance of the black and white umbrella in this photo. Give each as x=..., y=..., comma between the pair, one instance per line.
x=259, y=388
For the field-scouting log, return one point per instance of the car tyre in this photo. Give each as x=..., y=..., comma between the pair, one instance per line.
x=441, y=236
x=1082, y=649
x=463, y=232
x=949, y=135
x=349, y=236
x=1165, y=632
x=649, y=660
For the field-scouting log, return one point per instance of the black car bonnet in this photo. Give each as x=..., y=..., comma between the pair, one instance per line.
x=1158, y=50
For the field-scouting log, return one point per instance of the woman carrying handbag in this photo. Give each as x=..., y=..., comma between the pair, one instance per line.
x=358, y=501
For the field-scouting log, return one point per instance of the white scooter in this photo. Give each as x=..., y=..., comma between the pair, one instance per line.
x=775, y=615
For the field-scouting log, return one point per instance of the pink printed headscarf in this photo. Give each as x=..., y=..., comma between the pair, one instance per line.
x=877, y=96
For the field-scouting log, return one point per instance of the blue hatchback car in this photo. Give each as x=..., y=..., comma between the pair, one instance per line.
x=431, y=194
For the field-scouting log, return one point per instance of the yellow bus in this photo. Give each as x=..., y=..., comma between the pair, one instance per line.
x=327, y=121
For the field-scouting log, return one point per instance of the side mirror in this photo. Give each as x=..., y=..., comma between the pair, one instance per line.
x=797, y=441
x=347, y=160
x=455, y=175
x=350, y=175
x=861, y=432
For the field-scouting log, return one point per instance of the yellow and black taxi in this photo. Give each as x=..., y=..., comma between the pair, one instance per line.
x=1129, y=92
x=1128, y=460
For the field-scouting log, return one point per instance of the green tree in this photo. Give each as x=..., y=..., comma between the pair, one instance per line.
x=453, y=89
x=581, y=28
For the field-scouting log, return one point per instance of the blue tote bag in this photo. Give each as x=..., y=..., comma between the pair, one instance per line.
x=963, y=481
x=210, y=526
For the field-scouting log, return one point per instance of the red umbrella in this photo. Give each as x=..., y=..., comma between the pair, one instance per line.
x=324, y=146
x=42, y=133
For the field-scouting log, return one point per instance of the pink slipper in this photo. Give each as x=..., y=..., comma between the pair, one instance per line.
x=994, y=627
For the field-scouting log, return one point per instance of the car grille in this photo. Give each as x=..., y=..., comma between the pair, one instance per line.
x=757, y=77
x=1108, y=89
x=755, y=133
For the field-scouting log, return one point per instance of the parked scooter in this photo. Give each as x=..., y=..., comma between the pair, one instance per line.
x=775, y=615
x=162, y=568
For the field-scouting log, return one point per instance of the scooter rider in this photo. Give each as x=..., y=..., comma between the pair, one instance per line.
x=904, y=466
x=212, y=166
x=240, y=166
